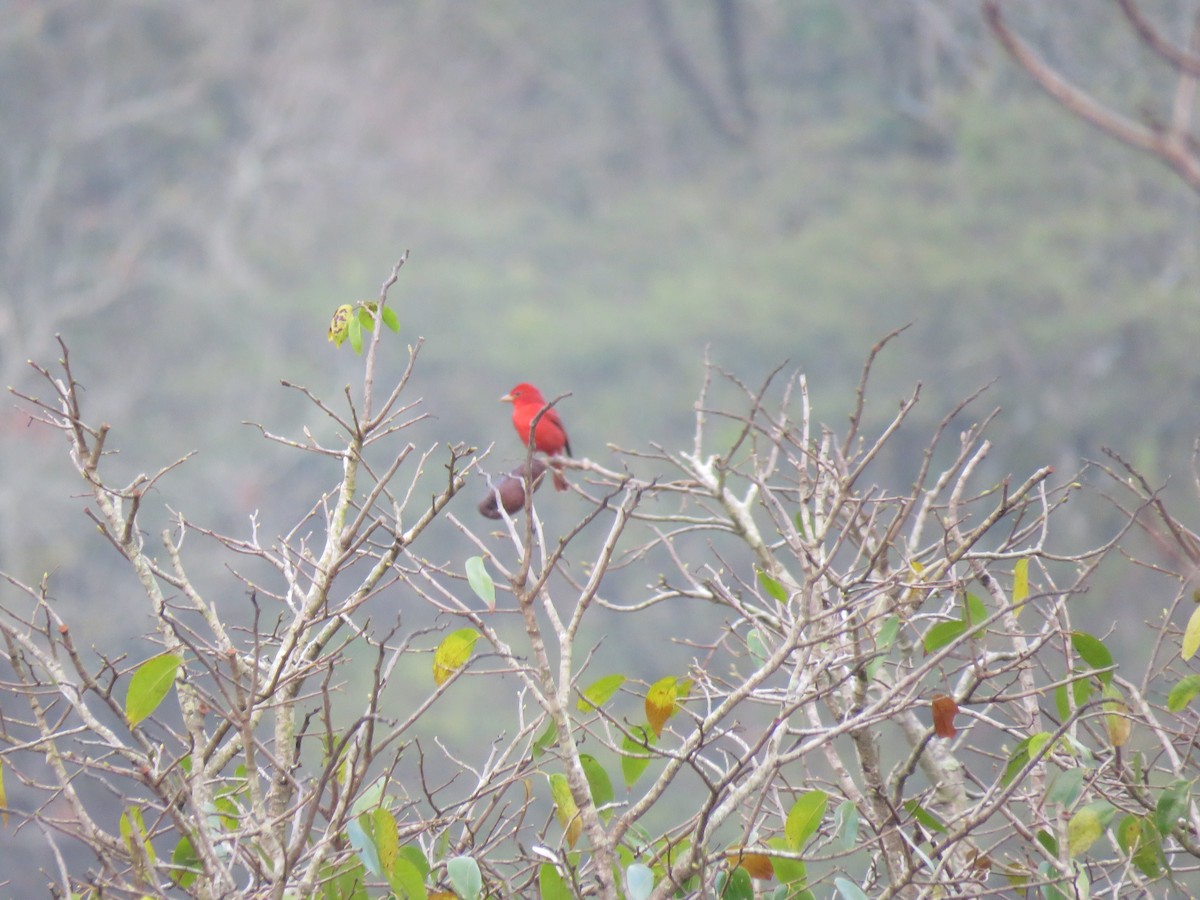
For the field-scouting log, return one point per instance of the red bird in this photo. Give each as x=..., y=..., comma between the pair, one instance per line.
x=550, y=437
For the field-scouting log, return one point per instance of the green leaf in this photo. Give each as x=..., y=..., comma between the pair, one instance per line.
x=668, y=851
x=442, y=848
x=739, y=886
x=788, y=871
x=1093, y=652
x=149, y=686
x=848, y=889
x=415, y=857
x=1171, y=806
x=599, y=692
x=1141, y=842
x=1191, y=635
x=133, y=833
x=1050, y=876
x=798, y=519
x=345, y=881
x=793, y=874
x=634, y=753
x=1086, y=826
x=452, y=653
x=1038, y=741
x=480, y=581
x=975, y=613
x=1019, y=759
x=370, y=797
x=639, y=881
x=758, y=649
x=1181, y=695
x=1080, y=692
x=599, y=784
x=943, y=633
x=185, y=862
x=386, y=837
x=359, y=832
x=1048, y=841
x=547, y=739
x=887, y=633
x=845, y=824
x=771, y=586
x=883, y=643
x=465, y=877
x=551, y=885
x=1066, y=787
x=924, y=817
x=406, y=880
x=229, y=810
x=354, y=332
x=3, y=796
x=804, y=818
x=625, y=855
x=390, y=319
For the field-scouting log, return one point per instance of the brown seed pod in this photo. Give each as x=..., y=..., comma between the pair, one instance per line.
x=511, y=490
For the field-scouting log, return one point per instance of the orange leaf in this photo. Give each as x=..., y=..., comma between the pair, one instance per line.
x=660, y=702
x=944, y=710
x=757, y=864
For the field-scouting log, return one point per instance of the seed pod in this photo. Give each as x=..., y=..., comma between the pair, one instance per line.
x=511, y=490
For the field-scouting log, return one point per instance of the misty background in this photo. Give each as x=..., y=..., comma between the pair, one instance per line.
x=594, y=196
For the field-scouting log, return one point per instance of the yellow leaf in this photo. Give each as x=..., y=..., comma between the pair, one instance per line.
x=1191, y=635
x=661, y=702
x=339, y=328
x=1020, y=591
x=1083, y=830
x=452, y=653
x=387, y=838
x=912, y=596
x=565, y=808
x=137, y=842
x=1116, y=721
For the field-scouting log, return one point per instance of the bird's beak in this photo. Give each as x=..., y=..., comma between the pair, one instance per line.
x=507, y=398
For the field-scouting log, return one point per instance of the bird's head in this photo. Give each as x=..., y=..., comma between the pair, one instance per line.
x=523, y=393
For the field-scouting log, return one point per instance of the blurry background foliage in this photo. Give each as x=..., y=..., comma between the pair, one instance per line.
x=189, y=190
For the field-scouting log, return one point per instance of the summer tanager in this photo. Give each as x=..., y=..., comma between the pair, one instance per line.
x=550, y=437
